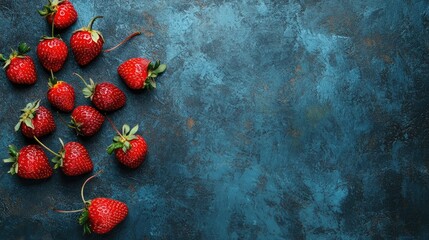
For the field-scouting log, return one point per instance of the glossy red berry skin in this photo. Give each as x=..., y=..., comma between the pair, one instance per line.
x=33, y=163
x=84, y=48
x=43, y=123
x=107, y=97
x=62, y=96
x=134, y=156
x=76, y=160
x=64, y=17
x=22, y=71
x=134, y=72
x=105, y=213
x=87, y=120
x=52, y=53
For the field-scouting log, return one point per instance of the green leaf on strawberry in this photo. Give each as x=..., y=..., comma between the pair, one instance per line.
x=84, y=219
x=153, y=70
x=13, y=153
x=28, y=115
x=95, y=35
x=50, y=8
x=23, y=48
x=58, y=160
x=122, y=141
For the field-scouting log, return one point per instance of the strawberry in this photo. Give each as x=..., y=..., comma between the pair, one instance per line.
x=86, y=43
x=60, y=94
x=86, y=120
x=30, y=162
x=105, y=96
x=35, y=121
x=20, y=68
x=52, y=53
x=100, y=215
x=59, y=12
x=130, y=149
x=139, y=73
x=73, y=158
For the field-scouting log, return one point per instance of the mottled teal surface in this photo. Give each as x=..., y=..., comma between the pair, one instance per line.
x=299, y=119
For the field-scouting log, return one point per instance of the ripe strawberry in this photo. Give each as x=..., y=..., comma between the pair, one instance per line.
x=130, y=149
x=86, y=120
x=60, y=94
x=86, y=43
x=20, y=68
x=59, y=12
x=140, y=73
x=35, y=121
x=105, y=96
x=30, y=162
x=100, y=215
x=73, y=158
x=52, y=53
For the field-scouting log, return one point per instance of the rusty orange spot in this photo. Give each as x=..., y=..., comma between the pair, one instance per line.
x=369, y=42
x=387, y=59
x=147, y=33
x=294, y=132
x=190, y=123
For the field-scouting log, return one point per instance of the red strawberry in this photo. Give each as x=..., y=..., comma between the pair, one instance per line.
x=20, y=68
x=60, y=94
x=86, y=120
x=140, y=73
x=30, y=162
x=35, y=121
x=73, y=158
x=130, y=149
x=86, y=43
x=52, y=53
x=59, y=12
x=105, y=96
x=100, y=215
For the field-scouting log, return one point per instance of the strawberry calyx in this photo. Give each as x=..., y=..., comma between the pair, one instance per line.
x=84, y=218
x=58, y=160
x=52, y=80
x=75, y=125
x=154, y=69
x=89, y=90
x=23, y=48
x=122, y=141
x=28, y=115
x=50, y=8
x=13, y=153
x=95, y=35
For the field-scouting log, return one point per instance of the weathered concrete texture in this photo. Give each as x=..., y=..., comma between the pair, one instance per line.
x=297, y=119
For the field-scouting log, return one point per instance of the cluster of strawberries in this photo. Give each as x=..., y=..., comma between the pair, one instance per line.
x=99, y=215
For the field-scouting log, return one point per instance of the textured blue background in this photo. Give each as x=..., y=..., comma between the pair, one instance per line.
x=275, y=120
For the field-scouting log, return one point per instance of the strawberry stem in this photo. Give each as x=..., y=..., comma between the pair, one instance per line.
x=123, y=41
x=81, y=78
x=64, y=121
x=68, y=211
x=87, y=180
x=43, y=145
x=52, y=74
x=114, y=127
x=52, y=29
x=92, y=22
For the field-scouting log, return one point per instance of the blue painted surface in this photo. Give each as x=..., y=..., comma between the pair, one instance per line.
x=298, y=119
